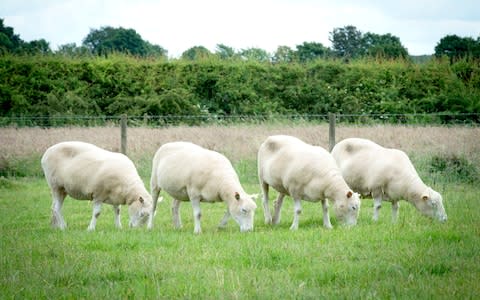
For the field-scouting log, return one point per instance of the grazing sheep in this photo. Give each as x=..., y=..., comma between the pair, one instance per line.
x=86, y=172
x=189, y=172
x=386, y=174
x=304, y=172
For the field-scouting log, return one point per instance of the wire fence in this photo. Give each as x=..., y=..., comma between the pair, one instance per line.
x=451, y=140
x=199, y=120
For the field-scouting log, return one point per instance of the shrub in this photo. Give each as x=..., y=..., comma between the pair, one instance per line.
x=45, y=86
x=454, y=167
x=20, y=167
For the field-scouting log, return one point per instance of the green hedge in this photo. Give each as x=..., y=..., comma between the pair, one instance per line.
x=53, y=85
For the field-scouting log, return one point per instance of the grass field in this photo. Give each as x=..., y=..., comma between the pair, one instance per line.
x=414, y=258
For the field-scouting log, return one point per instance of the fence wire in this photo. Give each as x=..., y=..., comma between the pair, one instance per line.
x=212, y=119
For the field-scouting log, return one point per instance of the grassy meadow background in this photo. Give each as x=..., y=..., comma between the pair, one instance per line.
x=414, y=258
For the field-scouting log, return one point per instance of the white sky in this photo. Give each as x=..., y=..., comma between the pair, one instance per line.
x=178, y=25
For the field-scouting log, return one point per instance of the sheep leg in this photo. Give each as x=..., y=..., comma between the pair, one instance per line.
x=58, y=196
x=297, y=210
x=224, y=220
x=377, y=204
x=97, y=207
x=116, y=211
x=395, y=206
x=196, y=215
x=266, y=209
x=326, y=216
x=155, y=194
x=177, y=221
x=278, y=208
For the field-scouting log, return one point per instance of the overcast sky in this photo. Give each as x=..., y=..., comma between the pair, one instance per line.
x=178, y=25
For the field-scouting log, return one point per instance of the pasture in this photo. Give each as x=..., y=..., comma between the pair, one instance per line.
x=414, y=258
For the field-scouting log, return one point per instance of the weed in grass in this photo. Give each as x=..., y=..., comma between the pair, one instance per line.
x=13, y=166
x=456, y=167
x=6, y=183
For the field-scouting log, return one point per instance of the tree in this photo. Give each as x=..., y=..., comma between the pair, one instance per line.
x=5, y=43
x=284, y=54
x=9, y=41
x=476, y=48
x=72, y=50
x=225, y=52
x=386, y=45
x=196, y=52
x=37, y=47
x=456, y=47
x=155, y=50
x=108, y=39
x=255, y=54
x=347, y=42
x=310, y=51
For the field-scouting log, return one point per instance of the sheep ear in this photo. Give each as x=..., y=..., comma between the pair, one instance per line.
x=140, y=199
x=349, y=194
x=425, y=197
x=237, y=196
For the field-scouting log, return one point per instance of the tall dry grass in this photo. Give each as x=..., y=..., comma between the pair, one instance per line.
x=242, y=141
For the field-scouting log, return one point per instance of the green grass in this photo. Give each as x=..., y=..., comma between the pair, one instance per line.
x=415, y=258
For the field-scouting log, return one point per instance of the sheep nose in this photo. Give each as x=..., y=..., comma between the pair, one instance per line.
x=351, y=224
x=246, y=229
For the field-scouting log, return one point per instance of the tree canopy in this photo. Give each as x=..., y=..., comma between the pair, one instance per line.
x=386, y=45
x=196, y=52
x=311, y=51
x=284, y=54
x=224, y=51
x=456, y=47
x=349, y=42
x=255, y=54
x=11, y=42
x=107, y=39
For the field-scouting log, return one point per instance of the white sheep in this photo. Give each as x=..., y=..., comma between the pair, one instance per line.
x=192, y=173
x=304, y=172
x=86, y=172
x=386, y=174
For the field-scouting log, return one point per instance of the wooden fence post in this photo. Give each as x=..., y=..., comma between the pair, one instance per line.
x=123, y=133
x=331, y=130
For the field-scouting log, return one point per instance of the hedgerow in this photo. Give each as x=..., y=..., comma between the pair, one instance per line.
x=99, y=86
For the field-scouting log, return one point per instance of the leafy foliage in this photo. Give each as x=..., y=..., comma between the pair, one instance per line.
x=12, y=43
x=196, y=53
x=225, y=52
x=9, y=41
x=456, y=47
x=311, y=51
x=121, y=84
x=386, y=45
x=255, y=54
x=347, y=42
x=107, y=40
x=454, y=166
